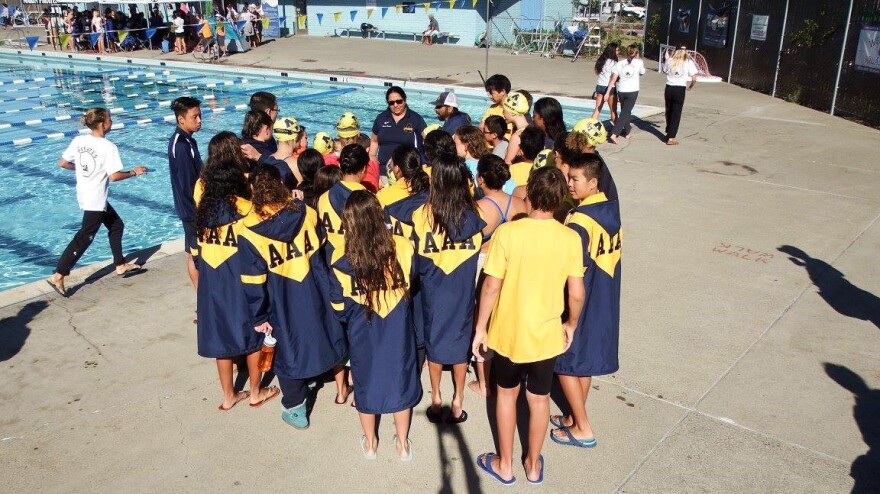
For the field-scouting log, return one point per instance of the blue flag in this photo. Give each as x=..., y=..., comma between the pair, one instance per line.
x=320, y=18
x=32, y=41
x=95, y=37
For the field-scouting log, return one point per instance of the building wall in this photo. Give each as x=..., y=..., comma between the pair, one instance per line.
x=466, y=20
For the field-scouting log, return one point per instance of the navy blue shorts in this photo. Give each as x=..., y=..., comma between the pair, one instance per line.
x=602, y=90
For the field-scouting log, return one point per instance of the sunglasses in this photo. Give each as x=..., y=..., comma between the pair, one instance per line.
x=396, y=102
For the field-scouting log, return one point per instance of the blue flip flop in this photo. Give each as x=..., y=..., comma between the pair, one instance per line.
x=570, y=440
x=556, y=420
x=540, y=475
x=486, y=466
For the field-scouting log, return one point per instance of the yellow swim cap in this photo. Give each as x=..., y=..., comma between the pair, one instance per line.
x=593, y=129
x=430, y=128
x=323, y=143
x=544, y=158
x=347, y=125
x=287, y=129
x=516, y=103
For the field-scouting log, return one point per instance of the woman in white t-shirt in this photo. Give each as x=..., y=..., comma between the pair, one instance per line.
x=98, y=28
x=681, y=76
x=604, y=65
x=626, y=75
x=96, y=162
x=179, y=33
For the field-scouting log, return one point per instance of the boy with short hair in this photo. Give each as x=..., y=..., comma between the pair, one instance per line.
x=184, y=166
x=494, y=130
x=593, y=351
x=497, y=88
x=526, y=332
x=531, y=142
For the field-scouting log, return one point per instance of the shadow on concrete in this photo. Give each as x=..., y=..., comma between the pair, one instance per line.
x=14, y=331
x=463, y=454
x=140, y=257
x=835, y=289
x=865, y=469
x=649, y=127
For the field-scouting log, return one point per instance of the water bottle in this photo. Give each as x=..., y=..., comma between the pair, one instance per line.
x=267, y=353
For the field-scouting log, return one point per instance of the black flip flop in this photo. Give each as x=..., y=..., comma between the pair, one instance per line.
x=462, y=417
x=59, y=290
x=434, y=416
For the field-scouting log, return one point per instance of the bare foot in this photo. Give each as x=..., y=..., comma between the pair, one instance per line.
x=477, y=388
x=231, y=401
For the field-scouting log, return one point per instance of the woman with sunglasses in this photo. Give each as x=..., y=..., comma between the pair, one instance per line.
x=395, y=126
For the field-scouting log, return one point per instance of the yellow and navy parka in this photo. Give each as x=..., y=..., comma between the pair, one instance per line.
x=286, y=283
x=594, y=349
x=224, y=323
x=447, y=270
x=398, y=217
x=330, y=207
x=382, y=347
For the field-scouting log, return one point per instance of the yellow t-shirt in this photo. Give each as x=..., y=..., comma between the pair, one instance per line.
x=206, y=30
x=519, y=172
x=526, y=321
x=393, y=193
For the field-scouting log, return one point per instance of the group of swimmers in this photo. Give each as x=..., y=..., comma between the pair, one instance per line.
x=368, y=271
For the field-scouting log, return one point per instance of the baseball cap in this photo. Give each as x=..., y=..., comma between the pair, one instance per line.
x=430, y=128
x=287, y=129
x=347, y=125
x=323, y=143
x=593, y=129
x=446, y=98
x=517, y=103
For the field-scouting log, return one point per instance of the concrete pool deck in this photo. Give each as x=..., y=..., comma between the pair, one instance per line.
x=749, y=342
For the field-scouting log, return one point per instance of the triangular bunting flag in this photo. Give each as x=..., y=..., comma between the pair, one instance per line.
x=301, y=21
x=436, y=5
x=451, y=4
x=397, y=9
x=427, y=6
x=336, y=16
x=474, y=3
x=65, y=40
x=461, y=4
x=94, y=38
x=265, y=21
x=369, y=12
x=320, y=18
x=239, y=25
x=151, y=32
x=384, y=11
x=32, y=41
x=282, y=20
x=354, y=14
x=122, y=36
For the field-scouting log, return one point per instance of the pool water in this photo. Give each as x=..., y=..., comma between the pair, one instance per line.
x=40, y=103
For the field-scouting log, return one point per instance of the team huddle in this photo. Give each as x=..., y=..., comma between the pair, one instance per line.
x=367, y=258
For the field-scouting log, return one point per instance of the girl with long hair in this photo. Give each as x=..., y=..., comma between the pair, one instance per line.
x=626, y=75
x=224, y=327
x=547, y=116
x=411, y=178
x=308, y=163
x=447, y=233
x=353, y=162
x=285, y=282
x=224, y=147
x=604, y=66
x=681, y=76
x=371, y=283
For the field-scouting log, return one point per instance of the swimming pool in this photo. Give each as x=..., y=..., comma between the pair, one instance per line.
x=41, y=98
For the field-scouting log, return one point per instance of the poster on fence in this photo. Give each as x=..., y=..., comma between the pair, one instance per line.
x=715, y=30
x=759, y=27
x=270, y=13
x=868, y=51
x=684, y=20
